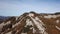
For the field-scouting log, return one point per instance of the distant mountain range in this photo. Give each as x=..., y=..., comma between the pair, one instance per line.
x=2, y=18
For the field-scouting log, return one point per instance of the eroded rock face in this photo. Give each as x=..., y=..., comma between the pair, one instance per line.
x=32, y=23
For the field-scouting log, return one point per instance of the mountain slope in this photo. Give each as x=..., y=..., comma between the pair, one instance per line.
x=31, y=23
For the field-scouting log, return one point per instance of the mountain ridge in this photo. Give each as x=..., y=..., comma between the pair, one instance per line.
x=32, y=23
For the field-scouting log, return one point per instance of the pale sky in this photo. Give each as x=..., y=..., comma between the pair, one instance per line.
x=18, y=7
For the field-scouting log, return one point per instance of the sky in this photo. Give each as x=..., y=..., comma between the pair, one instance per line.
x=18, y=7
